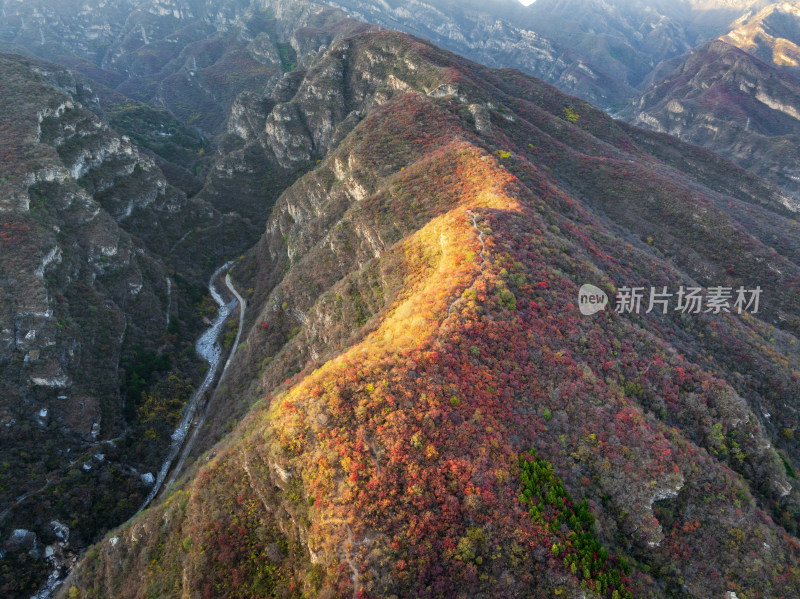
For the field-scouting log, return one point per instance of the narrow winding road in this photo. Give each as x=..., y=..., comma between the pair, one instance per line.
x=189, y=445
x=23, y=497
x=208, y=347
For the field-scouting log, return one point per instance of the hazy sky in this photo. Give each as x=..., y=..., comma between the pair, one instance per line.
x=527, y=2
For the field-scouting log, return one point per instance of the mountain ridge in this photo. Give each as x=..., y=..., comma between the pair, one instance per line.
x=724, y=98
x=354, y=463
x=771, y=34
x=416, y=406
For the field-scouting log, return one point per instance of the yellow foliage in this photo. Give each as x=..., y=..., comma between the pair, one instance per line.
x=571, y=115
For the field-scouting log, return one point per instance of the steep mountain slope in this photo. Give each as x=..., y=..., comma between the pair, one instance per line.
x=80, y=291
x=175, y=70
x=78, y=385
x=191, y=56
x=499, y=34
x=727, y=100
x=629, y=38
x=414, y=333
x=101, y=310
x=772, y=34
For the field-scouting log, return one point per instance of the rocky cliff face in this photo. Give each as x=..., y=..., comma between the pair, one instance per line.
x=771, y=34
x=170, y=75
x=727, y=100
x=190, y=56
x=76, y=290
x=502, y=34
x=100, y=310
x=413, y=331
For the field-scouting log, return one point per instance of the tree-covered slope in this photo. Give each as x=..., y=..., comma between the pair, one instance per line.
x=725, y=99
x=81, y=291
x=414, y=333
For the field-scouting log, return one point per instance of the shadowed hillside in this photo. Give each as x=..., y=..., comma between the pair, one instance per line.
x=414, y=333
x=727, y=100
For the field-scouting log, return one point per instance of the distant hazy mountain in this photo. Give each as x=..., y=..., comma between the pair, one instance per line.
x=192, y=57
x=600, y=51
x=728, y=100
x=629, y=38
x=500, y=33
x=772, y=34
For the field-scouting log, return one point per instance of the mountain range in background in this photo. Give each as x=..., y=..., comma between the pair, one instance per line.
x=625, y=57
x=416, y=406
x=772, y=34
x=726, y=99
